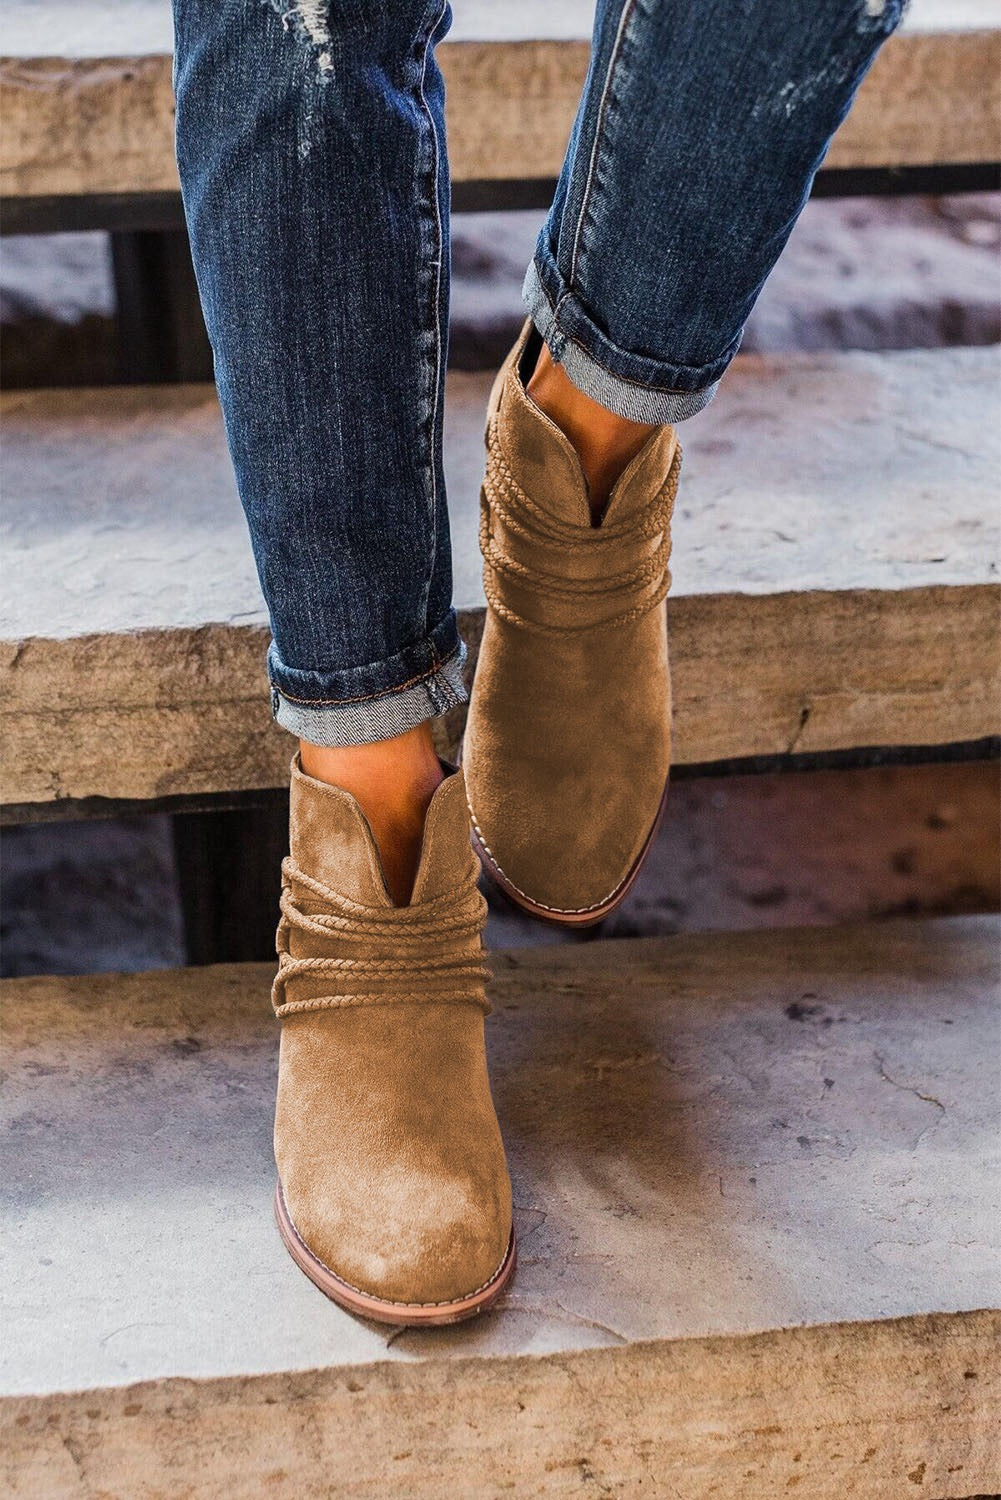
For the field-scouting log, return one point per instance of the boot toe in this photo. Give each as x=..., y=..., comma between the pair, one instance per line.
x=411, y=1242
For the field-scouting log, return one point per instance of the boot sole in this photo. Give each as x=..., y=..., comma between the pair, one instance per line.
x=590, y=915
x=401, y=1314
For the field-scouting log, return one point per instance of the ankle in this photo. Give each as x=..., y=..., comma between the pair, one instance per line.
x=393, y=782
x=605, y=443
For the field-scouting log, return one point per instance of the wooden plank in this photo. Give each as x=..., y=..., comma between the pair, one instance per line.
x=79, y=123
x=755, y=1191
x=831, y=592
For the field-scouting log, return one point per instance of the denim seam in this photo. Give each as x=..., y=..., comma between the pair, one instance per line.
x=626, y=16
x=645, y=385
x=399, y=687
x=436, y=298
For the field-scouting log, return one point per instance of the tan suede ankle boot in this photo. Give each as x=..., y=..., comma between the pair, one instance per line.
x=393, y=1193
x=568, y=740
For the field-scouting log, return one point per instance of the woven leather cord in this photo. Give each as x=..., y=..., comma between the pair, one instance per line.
x=639, y=589
x=435, y=947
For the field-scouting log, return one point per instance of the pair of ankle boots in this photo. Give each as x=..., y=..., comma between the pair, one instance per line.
x=393, y=1191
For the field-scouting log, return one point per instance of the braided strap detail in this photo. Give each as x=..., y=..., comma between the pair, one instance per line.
x=436, y=948
x=638, y=589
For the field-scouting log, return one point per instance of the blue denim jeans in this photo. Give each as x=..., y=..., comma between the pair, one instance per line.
x=312, y=156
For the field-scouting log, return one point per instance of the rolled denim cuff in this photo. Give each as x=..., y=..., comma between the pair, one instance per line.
x=374, y=702
x=631, y=385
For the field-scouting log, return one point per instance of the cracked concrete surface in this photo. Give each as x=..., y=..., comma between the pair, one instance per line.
x=736, y=1280
x=729, y=1134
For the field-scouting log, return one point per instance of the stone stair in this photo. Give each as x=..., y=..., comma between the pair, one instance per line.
x=100, y=75
x=757, y=1199
x=831, y=590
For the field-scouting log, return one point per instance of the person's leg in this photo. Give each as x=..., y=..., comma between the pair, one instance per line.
x=311, y=149
x=692, y=155
x=696, y=140
x=393, y=781
x=310, y=141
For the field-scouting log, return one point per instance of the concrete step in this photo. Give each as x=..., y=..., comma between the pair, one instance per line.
x=89, y=109
x=835, y=575
x=756, y=1192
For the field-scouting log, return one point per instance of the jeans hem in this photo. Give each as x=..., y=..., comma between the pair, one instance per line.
x=650, y=394
x=374, y=702
x=379, y=717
